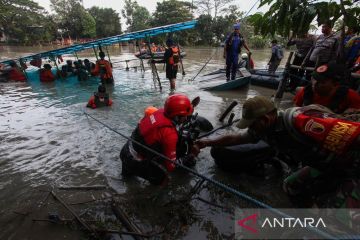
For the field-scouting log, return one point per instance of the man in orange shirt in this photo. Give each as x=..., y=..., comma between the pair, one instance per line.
x=46, y=75
x=325, y=89
x=103, y=68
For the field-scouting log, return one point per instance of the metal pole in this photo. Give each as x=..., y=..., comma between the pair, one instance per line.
x=76, y=55
x=107, y=51
x=141, y=60
x=181, y=63
x=154, y=69
x=282, y=84
x=97, y=58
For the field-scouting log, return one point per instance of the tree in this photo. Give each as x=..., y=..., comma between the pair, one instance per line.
x=171, y=11
x=107, y=21
x=20, y=21
x=73, y=18
x=204, y=31
x=212, y=6
x=137, y=17
x=296, y=16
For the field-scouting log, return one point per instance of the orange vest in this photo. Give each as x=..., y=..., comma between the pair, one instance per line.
x=103, y=68
x=175, y=51
x=16, y=75
x=46, y=75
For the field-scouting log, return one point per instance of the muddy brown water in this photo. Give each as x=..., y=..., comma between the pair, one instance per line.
x=47, y=142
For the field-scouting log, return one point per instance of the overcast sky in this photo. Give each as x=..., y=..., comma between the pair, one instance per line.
x=244, y=5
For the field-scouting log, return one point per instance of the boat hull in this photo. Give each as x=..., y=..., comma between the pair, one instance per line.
x=220, y=84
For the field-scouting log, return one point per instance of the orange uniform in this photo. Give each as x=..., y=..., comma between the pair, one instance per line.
x=351, y=99
x=16, y=75
x=103, y=68
x=46, y=75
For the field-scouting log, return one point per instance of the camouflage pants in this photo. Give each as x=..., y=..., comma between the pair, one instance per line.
x=326, y=191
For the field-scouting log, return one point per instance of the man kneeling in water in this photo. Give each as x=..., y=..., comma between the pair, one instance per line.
x=157, y=131
x=100, y=98
x=326, y=145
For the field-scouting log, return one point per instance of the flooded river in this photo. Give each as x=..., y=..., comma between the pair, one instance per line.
x=47, y=141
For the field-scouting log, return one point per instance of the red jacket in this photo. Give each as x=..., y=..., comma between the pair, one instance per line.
x=16, y=75
x=159, y=133
x=46, y=75
x=352, y=100
x=95, y=102
x=103, y=68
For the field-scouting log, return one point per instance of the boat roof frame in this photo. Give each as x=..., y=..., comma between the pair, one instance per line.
x=109, y=41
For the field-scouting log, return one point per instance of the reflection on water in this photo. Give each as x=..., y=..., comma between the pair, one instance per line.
x=46, y=140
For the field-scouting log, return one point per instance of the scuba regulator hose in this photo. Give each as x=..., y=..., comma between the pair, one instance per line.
x=214, y=182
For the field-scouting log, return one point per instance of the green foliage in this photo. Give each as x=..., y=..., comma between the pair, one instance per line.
x=285, y=16
x=23, y=21
x=107, y=21
x=171, y=11
x=74, y=19
x=137, y=17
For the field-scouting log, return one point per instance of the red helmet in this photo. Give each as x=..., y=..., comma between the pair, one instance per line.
x=177, y=105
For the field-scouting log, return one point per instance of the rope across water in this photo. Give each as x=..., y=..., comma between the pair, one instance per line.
x=214, y=182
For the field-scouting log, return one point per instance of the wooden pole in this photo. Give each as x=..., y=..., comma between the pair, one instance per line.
x=82, y=222
x=282, y=84
x=122, y=216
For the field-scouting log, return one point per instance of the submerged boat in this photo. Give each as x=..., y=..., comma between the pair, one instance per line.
x=259, y=77
x=264, y=79
x=220, y=84
x=156, y=55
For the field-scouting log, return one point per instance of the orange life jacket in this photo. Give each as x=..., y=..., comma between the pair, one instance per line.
x=46, y=75
x=329, y=130
x=175, y=56
x=16, y=75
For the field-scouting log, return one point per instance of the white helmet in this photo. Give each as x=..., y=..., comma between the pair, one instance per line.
x=244, y=56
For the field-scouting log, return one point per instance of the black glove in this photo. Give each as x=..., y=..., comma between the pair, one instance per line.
x=188, y=161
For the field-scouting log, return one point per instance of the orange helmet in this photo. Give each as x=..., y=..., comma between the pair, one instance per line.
x=150, y=110
x=178, y=105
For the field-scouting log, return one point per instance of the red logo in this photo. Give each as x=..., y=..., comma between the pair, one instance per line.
x=322, y=68
x=251, y=218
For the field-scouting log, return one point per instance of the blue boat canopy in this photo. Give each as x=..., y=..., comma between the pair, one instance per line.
x=111, y=40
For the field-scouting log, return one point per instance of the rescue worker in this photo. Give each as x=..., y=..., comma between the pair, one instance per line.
x=81, y=72
x=311, y=136
x=325, y=48
x=303, y=43
x=14, y=73
x=69, y=67
x=100, y=98
x=326, y=89
x=104, y=69
x=233, y=44
x=157, y=131
x=171, y=60
x=46, y=75
x=276, y=56
x=150, y=110
x=89, y=66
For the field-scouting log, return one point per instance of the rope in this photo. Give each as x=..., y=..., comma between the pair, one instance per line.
x=214, y=182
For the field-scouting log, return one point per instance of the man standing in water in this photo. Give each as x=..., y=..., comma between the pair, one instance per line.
x=232, y=49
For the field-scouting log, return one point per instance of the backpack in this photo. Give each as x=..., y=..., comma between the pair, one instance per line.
x=175, y=58
x=279, y=52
